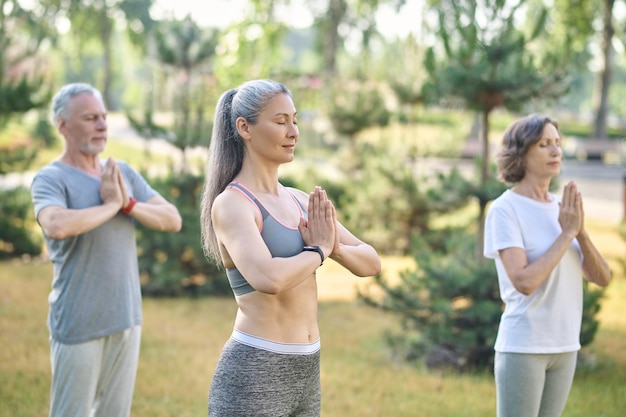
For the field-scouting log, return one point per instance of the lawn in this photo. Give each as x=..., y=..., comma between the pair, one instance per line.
x=182, y=339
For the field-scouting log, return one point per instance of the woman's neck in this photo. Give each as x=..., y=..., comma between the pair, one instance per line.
x=534, y=190
x=259, y=180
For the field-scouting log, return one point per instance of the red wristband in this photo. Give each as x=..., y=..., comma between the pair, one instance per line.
x=131, y=203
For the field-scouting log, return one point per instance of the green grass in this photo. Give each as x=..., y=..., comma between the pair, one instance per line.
x=182, y=339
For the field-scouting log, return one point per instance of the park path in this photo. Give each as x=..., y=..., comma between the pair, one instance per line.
x=601, y=185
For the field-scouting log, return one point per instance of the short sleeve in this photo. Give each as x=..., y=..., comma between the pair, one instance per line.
x=46, y=191
x=502, y=230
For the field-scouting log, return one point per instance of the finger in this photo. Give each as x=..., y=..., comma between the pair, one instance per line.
x=311, y=205
x=580, y=199
x=567, y=190
x=316, y=210
x=571, y=195
x=328, y=211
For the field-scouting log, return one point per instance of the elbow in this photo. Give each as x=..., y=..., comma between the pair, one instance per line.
x=524, y=288
x=600, y=276
x=267, y=284
x=268, y=288
x=173, y=224
x=370, y=270
x=56, y=233
x=604, y=280
x=177, y=224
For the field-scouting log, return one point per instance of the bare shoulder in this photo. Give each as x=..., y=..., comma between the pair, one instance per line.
x=231, y=204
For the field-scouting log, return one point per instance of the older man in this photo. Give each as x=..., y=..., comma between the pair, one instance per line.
x=87, y=209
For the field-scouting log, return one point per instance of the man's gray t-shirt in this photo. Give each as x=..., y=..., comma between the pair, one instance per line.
x=95, y=288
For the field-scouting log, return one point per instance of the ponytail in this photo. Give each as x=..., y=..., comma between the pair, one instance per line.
x=226, y=150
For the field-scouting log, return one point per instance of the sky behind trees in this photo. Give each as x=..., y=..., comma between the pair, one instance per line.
x=220, y=13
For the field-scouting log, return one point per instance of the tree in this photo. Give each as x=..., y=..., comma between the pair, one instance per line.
x=23, y=85
x=356, y=106
x=604, y=78
x=584, y=23
x=97, y=20
x=407, y=80
x=185, y=52
x=489, y=63
x=252, y=48
x=334, y=22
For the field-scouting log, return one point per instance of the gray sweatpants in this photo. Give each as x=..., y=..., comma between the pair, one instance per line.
x=249, y=381
x=96, y=378
x=533, y=385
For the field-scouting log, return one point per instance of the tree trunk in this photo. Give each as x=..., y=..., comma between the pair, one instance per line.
x=107, y=34
x=336, y=12
x=604, y=81
x=484, y=177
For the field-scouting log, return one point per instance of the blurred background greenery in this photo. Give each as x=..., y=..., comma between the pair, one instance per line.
x=385, y=118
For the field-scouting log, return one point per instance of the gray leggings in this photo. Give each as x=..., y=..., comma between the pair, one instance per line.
x=533, y=385
x=249, y=381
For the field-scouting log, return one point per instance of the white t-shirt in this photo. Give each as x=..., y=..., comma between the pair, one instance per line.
x=549, y=319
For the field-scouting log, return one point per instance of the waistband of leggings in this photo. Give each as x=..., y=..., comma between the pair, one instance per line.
x=276, y=347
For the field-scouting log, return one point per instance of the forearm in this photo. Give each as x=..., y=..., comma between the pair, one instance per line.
x=362, y=259
x=595, y=267
x=532, y=275
x=163, y=217
x=63, y=223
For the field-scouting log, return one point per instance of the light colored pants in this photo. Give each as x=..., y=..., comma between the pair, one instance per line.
x=96, y=378
x=533, y=385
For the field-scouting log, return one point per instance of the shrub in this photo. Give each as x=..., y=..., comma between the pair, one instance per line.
x=174, y=264
x=450, y=306
x=17, y=224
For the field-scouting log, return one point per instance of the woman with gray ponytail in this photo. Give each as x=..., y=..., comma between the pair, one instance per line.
x=270, y=239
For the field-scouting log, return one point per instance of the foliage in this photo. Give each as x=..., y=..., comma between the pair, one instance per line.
x=185, y=53
x=488, y=63
x=355, y=106
x=17, y=224
x=450, y=305
x=182, y=340
x=23, y=81
x=591, y=308
x=95, y=21
x=44, y=132
x=20, y=144
x=173, y=264
x=387, y=202
x=407, y=85
x=17, y=156
x=340, y=19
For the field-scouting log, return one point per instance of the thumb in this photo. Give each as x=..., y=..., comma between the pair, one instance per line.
x=302, y=225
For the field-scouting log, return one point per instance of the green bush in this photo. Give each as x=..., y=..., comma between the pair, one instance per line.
x=18, y=236
x=450, y=305
x=173, y=264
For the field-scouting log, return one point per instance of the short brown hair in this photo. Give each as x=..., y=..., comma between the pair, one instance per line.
x=517, y=139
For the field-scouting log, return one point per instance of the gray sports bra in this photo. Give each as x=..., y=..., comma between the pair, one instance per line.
x=282, y=241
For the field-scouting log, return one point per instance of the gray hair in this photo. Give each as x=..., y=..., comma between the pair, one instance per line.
x=226, y=150
x=62, y=98
x=517, y=139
